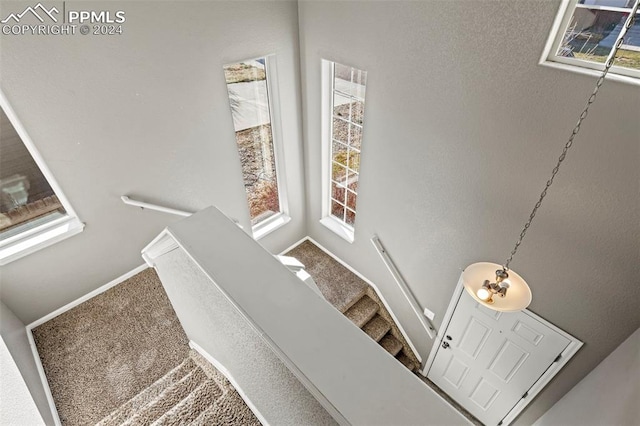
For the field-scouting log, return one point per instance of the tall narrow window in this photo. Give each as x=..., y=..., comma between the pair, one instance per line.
x=32, y=213
x=250, y=95
x=347, y=97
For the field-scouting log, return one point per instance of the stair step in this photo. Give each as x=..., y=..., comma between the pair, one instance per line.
x=391, y=344
x=129, y=408
x=350, y=298
x=192, y=406
x=406, y=361
x=167, y=399
x=210, y=370
x=222, y=412
x=376, y=328
x=362, y=311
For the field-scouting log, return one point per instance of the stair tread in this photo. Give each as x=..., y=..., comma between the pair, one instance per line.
x=129, y=408
x=362, y=311
x=224, y=412
x=167, y=399
x=190, y=407
x=377, y=327
x=391, y=344
x=406, y=361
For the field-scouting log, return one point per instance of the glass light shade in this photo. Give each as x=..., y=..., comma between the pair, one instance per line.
x=518, y=295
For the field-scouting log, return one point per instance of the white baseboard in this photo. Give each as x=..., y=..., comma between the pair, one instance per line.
x=65, y=308
x=43, y=379
x=221, y=368
x=86, y=297
x=294, y=245
x=375, y=288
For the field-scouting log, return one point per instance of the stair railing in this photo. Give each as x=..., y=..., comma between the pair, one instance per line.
x=406, y=291
x=130, y=201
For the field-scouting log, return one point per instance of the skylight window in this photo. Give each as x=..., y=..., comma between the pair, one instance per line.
x=584, y=33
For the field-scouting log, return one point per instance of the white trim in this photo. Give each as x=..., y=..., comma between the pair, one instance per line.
x=325, y=133
x=273, y=96
x=29, y=328
x=339, y=228
x=571, y=349
x=221, y=368
x=87, y=296
x=28, y=143
x=38, y=238
x=162, y=244
x=294, y=245
x=267, y=226
x=272, y=84
x=377, y=290
x=43, y=377
x=46, y=234
x=549, y=58
x=404, y=287
x=568, y=353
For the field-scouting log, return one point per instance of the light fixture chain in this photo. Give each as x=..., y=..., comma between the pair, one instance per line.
x=609, y=62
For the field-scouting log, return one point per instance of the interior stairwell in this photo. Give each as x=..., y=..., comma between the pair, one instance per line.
x=190, y=391
x=356, y=300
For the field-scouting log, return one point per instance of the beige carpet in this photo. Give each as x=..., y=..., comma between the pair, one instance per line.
x=338, y=285
x=105, y=351
x=356, y=300
x=193, y=393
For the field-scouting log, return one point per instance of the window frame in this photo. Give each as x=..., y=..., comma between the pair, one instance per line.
x=339, y=227
x=576, y=65
x=48, y=233
x=275, y=221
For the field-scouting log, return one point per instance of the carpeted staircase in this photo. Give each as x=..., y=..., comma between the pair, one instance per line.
x=369, y=316
x=192, y=393
x=356, y=300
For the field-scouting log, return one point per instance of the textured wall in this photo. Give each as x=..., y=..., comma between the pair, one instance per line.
x=145, y=113
x=461, y=130
x=14, y=336
x=609, y=395
x=212, y=322
x=16, y=405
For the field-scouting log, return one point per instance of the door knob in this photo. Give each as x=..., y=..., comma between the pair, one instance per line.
x=445, y=345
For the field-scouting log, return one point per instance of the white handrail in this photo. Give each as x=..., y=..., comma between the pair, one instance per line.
x=406, y=291
x=125, y=199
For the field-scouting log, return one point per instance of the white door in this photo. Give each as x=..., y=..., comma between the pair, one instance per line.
x=489, y=359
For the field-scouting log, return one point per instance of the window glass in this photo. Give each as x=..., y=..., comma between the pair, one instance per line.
x=26, y=198
x=591, y=32
x=347, y=106
x=250, y=108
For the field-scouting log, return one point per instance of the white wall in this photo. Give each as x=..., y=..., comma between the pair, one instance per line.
x=145, y=113
x=609, y=395
x=16, y=405
x=216, y=325
x=14, y=338
x=461, y=130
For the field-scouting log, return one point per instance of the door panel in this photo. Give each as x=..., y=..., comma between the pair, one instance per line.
x=489, y=359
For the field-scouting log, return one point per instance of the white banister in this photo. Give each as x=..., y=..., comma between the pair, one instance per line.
x=125, y=199
x=406, y=291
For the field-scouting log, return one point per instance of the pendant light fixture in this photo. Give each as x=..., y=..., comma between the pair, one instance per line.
x=496, y=286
